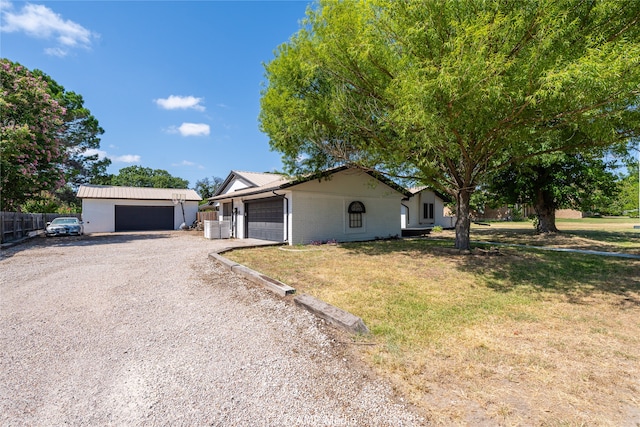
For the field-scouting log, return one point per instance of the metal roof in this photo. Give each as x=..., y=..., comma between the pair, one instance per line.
x=138, y=193
x=281, y=182
x=251, y=179
x=416, y=190
x=259, y=179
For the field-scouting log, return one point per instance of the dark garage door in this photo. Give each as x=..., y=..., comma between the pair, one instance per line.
x=144, y=218
x=265, y=219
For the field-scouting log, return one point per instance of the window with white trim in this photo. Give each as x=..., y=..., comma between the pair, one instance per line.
x=427, y=211
x=356, y=210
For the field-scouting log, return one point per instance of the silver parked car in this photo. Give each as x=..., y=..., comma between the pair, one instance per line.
x=64, y=226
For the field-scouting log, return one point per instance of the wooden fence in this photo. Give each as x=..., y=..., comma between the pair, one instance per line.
x=203, y=216
x=16, y=225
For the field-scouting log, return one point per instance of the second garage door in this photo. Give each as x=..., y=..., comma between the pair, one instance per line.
x=265, y=219
x=144, y=218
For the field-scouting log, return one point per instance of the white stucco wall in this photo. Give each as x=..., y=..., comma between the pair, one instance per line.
x=99, y=214
x=235, y=185
x=320, y=209
x=412, y=215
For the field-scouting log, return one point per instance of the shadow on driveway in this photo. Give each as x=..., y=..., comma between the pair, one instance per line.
x=84, y=240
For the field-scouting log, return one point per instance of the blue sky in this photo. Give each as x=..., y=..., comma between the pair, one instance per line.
x=175, y=84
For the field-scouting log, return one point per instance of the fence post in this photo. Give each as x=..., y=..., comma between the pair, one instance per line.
x=15, y=226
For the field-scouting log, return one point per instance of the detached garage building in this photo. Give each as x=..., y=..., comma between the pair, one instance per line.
x=107, y=208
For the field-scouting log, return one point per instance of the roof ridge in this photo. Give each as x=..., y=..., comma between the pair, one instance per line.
x=132, y=186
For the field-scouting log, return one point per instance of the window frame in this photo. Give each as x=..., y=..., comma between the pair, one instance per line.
x=428, y=210
x=355, y=211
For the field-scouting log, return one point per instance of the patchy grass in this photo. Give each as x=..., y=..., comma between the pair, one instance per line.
x=500, y=337
x=602, y=234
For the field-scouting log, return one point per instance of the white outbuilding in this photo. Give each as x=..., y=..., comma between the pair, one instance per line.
x=108, y=208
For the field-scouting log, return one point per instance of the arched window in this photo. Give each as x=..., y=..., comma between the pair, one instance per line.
x=356, y=209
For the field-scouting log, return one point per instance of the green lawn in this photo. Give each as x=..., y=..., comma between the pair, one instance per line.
x=493, y=329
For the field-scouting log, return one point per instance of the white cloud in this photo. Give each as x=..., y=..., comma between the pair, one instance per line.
x=191, y=129
x=127, y=158
x=39, y=21
x=184, y=163
x=188, y=164
x=92, y=151
x=56, y=51
x=174, y=102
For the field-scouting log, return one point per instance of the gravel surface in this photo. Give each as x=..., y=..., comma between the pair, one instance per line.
x=143, y=329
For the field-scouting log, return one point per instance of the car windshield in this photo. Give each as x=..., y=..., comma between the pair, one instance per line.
x=65, y=221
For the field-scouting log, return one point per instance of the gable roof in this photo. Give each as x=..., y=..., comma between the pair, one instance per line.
x=281, y=182
x=138, y=193
x=416, y=190
x=252, y=179
x=259, y=179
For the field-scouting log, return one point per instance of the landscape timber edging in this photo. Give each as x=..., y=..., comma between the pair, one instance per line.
x=332, y=314
x=253, y=276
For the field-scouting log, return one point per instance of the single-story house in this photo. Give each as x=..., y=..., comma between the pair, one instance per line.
x=108, y=208
x=424, y=209
x=345, y=204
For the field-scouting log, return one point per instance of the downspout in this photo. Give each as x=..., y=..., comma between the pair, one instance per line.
x=234, y=219
x=286, y=216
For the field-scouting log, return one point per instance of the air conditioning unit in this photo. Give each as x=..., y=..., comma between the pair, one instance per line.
x=217, y=229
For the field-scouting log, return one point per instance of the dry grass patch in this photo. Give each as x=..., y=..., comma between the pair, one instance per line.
x=508, y=337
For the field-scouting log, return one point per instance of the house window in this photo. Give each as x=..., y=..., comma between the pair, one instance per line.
x=356, y=209
x=226, y=211
x=427, y=211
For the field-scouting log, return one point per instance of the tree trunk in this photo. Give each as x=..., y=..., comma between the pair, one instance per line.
x=463, y=222
x=545, y=212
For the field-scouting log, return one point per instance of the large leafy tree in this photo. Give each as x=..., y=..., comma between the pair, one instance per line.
x=80, y=135
x=445, y=92
x=75, y=133
x=207, y=187
x=629, y=200
x=557, y=181
x=138, y=176
x=31, y=147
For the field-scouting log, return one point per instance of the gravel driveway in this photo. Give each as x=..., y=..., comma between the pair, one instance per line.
x=143, y=329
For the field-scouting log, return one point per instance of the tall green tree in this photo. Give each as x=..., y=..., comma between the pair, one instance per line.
x=138, y=176
x=207, y=187
x=75, y=132
x=80, y=135
x=557, y=181
x=629, y=200
x=445, y=92
x=31, y=147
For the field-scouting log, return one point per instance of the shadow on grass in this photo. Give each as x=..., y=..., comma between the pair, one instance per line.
x=511, y=269
x=606, y=236
x=84, y=240
x=531, y=237
x=572, y=274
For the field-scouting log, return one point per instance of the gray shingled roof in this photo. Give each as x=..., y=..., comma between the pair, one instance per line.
x=138, y=193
